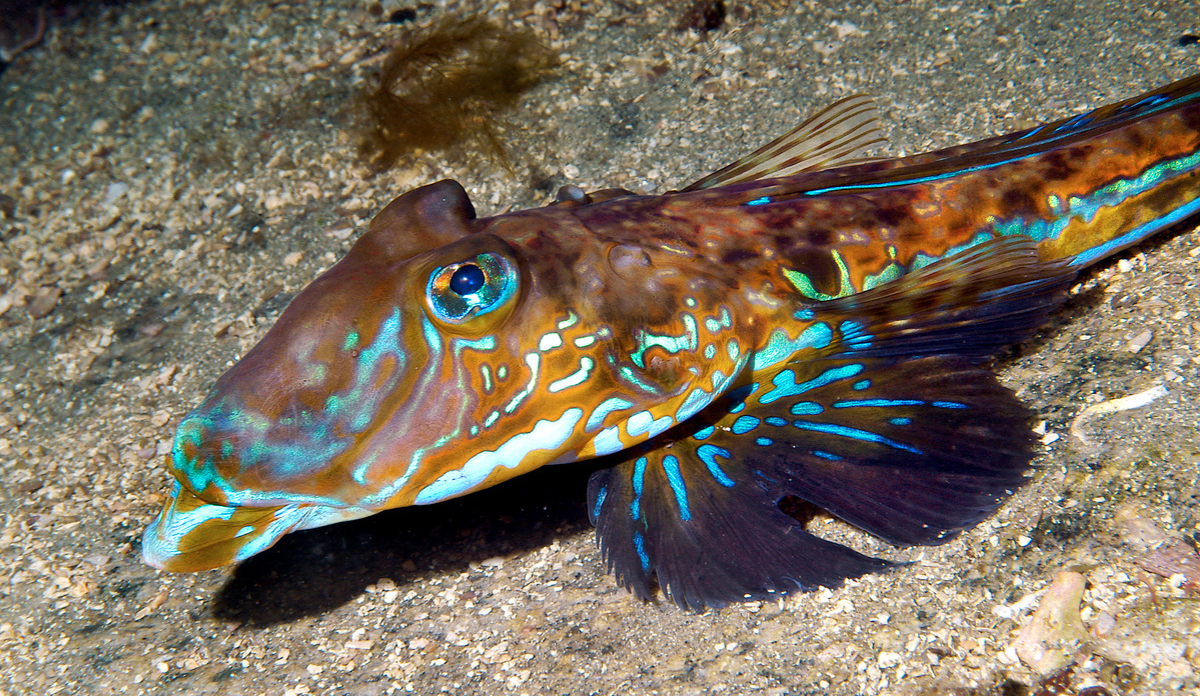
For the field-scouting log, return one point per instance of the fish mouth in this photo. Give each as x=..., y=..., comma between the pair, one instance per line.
x=191, y=534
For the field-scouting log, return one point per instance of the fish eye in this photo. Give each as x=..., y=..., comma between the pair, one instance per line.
x=460, y=291
x=467, y=279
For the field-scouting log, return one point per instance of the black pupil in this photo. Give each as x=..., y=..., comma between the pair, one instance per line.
x=466, y=279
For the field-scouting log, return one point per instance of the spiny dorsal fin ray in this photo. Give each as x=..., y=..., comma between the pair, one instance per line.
x=837, y=135
x=973, y=305
x=910, y=451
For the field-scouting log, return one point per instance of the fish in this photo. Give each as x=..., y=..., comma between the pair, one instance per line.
x=809, y=327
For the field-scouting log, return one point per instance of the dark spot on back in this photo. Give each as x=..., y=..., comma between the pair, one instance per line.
x=818, y=265
x=736, y=255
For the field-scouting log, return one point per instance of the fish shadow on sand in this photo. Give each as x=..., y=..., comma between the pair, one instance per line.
x=313, y=572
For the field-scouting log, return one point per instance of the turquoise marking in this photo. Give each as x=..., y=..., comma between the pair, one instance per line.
x=710, y=352
x=922, y=259
x=777, y=421
x=759, y=201
x=533, y=361
x=804, y=285
x=599, y=502
x=484, y=343
x=315, y=372
x=732, y=349
x=672, y=344
x=578, y=377
x=639, y=545
x=744, y=424
x=690, y=301
x=738, y=408
x=548, y=435
x=639, y=479
x=862, y=384
x=596, y=420
x=854, y=335
x=696, y=400
x=827, y=455
x=549, y=342
x=805, y=315
x=780, y=347
x=950, y=174
x=854, y=434
x=630, y=376
x=351, y=341
x=644, y=422
x=608, y=441
x=948, y=404
x=704, y=433
x=890, y=272
x=785, y=382
x=1136, y=234
x=899, y=421
x=764, y=441
x=486, y=372
x=880, y=403
x=584, y=341
x=570, y=321
x=671, y=465
x=502, y=372
x=491, y=419
x=722, y=320
x=708, y=454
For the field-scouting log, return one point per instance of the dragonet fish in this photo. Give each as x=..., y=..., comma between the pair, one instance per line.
x=807, y=325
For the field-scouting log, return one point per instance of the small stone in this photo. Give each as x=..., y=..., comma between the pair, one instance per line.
x=1052, y=637
x=44, y=301
x=1137, y=343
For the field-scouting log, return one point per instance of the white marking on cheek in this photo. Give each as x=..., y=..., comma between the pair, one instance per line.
x=584, y=341
x=585, y=367
x=549, y=342
x=546, y=435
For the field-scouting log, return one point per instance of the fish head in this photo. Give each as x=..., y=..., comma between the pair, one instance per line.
x=441, y=355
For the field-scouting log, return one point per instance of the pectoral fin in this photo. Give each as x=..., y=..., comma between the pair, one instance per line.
x=911, y=451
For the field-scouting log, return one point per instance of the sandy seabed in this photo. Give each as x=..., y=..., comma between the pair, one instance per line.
x=173, y=172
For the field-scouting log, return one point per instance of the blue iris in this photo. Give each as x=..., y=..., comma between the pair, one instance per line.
x=467, y=279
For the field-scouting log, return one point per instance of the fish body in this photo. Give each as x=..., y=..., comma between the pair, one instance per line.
x=798, y=326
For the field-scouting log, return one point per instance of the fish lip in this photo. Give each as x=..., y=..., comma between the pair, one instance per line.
x=191, y=534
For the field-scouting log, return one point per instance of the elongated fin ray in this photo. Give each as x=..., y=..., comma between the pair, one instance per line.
x=911, y=451
x=835, y=136
x=973, y=304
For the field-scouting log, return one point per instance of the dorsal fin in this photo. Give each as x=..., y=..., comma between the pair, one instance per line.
x=834, y=136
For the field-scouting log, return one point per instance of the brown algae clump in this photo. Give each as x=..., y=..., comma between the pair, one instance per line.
x=446, y=84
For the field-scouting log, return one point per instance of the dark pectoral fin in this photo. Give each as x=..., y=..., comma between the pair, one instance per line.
x=710, y=533
x=912, y=452
x=973, y=304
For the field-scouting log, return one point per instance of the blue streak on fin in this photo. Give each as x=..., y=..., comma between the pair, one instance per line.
x=931, y=447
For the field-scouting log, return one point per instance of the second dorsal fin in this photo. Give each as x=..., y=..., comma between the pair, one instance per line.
x=834, y=136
